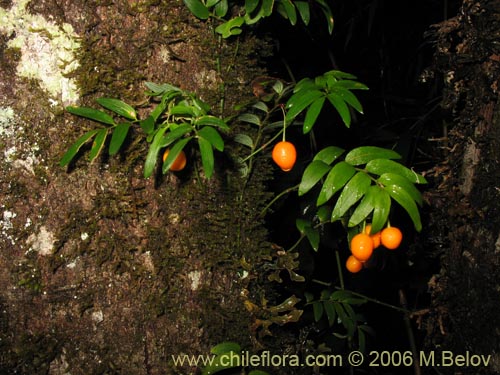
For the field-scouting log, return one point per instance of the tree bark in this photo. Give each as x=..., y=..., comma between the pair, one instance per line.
x=464, y=220
x=103, y=271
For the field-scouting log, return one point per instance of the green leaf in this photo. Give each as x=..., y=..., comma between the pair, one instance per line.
x=119, y=107
x=211, y=121
x=148, y=124
x=406, y=201
x=364, y=208
x=261, y=106
x=388, y=179
x=381, y=166
x=300, y=101
x=197, y=8
x=221, y=8
x=288, y=11
x=153, y=151
x=361, y=340
x=213, y=136
x=207, y=156
x=381, y=210
x=161, y=89
x=329, y=154
x=118, y=137
x=75, y=147
x=349, y=98
x=244, y=139
x=363, y=155
x=312, y=174
x=328, y=14
x=175, y=134
x=352, y=192
x=330, y=312
x=225, y=347
x=312, y=114
x=313, y=237
x=335, y=180
x=250, y=118
x=231, y=27
x=173, y=153
x=301, y=224
x=98, y=143
x=258, y=372
x=303, y=8
x=92, y=114
x=182, y=110
x=251, y=5
x=324, y=213
x=341, y=108
x=351, y=85
x=340, y=75
x=317, y=310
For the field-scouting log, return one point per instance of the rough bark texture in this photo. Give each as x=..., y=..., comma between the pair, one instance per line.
x=102, y=271
x=465, y=221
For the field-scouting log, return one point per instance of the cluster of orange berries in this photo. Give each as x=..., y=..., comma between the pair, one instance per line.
x=363, y=244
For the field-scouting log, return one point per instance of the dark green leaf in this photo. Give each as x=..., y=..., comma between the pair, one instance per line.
x=173, y=153
x=119, y=107
x=381, y=166
x=317, y=310
x=213, y=136
x=300, y=101
x=340, y=295
x=351, y=85
x=98, y=144
x=250, y=118
x=335, y=180
x=244, y=139
x=341, y=108
x=312, y=114
x=211, y=121
x=328, y=14
x=92, y=114
x=324, y=213
x=301, y=224
x=313, y=237
x=330, y=312
x=388, y=179
x=363, y=155
x=341, y=314
x=406, y=201
x=352, y=192
x=303, y=8
x=258, y=372
x=148, y=124
x=349, y=98
x=289, y=11
x=329, y=154
x=312, y=174
x=382, y=208
x=261, y=106
x=153, y=151
x=118, y=137
x=75, y=147
x=197, y=8
x=340, y=75
x=175, y=134
x=225, y=347
x=361, y=340
x=207, y=156
x=364, y=208
x=251, y=5
x=221, y=8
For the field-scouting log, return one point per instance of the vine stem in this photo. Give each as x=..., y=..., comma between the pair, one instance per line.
x=286, y=191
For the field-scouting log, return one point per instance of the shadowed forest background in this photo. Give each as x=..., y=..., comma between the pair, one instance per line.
x=106, y=272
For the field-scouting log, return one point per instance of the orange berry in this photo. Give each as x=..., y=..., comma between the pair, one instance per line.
x=391, y=237
x=179, y=162
x=375, y=237
x=362, y=246
x=353, y=264
x=284, y=155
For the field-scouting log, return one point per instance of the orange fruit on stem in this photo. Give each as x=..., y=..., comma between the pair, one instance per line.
x=179, y=162
x=375, y=237
x=362, y=246
x=353, y=265
x=391, y=237
x=284, y=155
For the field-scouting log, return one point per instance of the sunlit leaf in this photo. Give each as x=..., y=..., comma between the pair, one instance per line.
x=352, y=192
x=119, y=107
x=92, y=114
x=381, y=166
x=335, y=180
x=364, y=154
x=98, y=143
x=197, y=8
x=118, y=137
x=312, y=174
x=75, y=147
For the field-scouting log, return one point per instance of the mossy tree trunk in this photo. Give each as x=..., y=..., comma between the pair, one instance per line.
x=103, y=271
x=464, y=221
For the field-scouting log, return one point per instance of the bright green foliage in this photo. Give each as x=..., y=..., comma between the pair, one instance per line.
x=252, y=11
x=311, y=94
x=176, y=118
x=364, y=191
